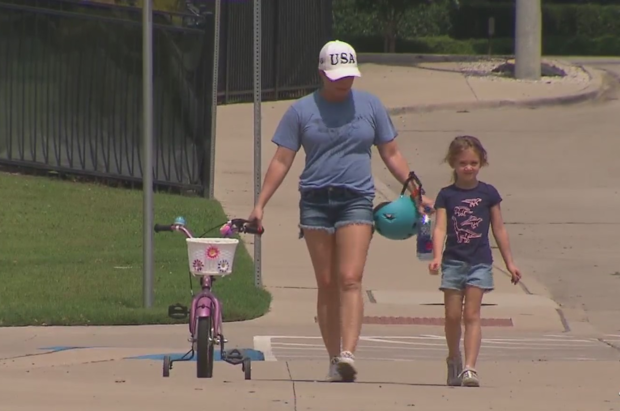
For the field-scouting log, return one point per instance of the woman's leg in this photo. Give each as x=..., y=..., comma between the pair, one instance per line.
x=352, y=243
x=315, y=222
x=321, y=247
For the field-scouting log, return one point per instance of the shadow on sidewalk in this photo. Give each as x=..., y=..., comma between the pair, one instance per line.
x=413, y=384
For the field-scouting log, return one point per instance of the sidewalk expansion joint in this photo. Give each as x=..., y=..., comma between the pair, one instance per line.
x=290, y=376
x=433, y=321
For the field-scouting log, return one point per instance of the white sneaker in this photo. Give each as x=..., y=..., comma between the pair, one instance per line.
x=469, y=378
x=346, y=366
x=455, y=368
x=333, y=375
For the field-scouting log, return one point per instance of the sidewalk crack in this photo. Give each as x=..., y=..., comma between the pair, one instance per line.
x=290, y=376
x=470, y=87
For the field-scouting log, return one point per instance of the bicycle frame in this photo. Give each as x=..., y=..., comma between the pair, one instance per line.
x=205, y=303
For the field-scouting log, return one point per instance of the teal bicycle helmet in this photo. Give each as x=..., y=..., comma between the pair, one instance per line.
x=399, y=219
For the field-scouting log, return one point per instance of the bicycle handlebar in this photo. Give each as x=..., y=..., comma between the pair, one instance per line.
x=161, y=227
x=236, y=225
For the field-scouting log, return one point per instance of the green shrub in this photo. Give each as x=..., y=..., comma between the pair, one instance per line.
x=590, y=20
x=577, y=29
x=431, y=20
x=552, y=46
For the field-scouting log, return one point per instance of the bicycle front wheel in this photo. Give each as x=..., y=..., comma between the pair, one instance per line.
x=204, y=348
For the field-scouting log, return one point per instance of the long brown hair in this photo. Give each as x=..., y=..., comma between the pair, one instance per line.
x=462, y=143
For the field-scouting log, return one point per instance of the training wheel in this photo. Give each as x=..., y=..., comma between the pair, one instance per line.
x=166, y=366
x=247, y=368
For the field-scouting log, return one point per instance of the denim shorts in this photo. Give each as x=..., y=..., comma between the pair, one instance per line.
x=456, y=275
x=332, y=207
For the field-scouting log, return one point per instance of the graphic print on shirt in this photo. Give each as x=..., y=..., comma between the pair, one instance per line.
x=465, y=228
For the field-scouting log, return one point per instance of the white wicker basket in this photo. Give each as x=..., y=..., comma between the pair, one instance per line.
x=211, y=256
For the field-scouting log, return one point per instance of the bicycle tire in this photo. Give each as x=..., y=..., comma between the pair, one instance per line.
x=204, y=348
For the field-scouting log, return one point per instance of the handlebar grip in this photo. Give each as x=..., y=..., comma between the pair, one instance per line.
x=162, y=227
x=252, y=229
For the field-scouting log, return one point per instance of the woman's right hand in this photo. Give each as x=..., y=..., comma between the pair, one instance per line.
x=256, y=216
x=433, y=267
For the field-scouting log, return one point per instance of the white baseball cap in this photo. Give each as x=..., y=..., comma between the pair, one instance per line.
x=338, y=59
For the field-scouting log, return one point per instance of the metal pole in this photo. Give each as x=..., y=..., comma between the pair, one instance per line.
x=147, y=129
x=258, y=281
x=216, y=69
x=528, y=39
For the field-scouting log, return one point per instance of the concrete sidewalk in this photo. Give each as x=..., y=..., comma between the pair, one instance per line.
x=397, y=285
x=412, y=83
x=291, y=386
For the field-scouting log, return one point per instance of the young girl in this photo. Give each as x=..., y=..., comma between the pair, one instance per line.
x=465, y=210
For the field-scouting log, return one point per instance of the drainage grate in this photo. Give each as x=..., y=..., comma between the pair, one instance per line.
x=485, y=322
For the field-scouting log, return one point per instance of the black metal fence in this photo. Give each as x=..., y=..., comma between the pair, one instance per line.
x=71, y=92
x=293, y=32
x=71, y=81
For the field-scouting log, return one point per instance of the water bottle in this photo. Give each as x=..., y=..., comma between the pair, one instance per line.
x=424, y=243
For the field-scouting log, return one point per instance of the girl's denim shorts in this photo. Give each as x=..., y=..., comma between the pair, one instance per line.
x=457, y=275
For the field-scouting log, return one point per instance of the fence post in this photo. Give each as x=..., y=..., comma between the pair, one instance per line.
x=258, y=281
x=276, y=50
x=228, y=47
x=214, y=93
x=147, y=130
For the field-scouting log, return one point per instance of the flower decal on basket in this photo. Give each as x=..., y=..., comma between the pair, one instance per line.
x=198, y=265
x=212, y=252
x=223, y=266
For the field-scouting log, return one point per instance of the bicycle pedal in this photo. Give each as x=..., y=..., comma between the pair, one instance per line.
x=233, y=356
x=177, y=311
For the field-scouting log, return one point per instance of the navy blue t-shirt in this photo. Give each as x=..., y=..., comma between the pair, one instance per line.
x=469, y=219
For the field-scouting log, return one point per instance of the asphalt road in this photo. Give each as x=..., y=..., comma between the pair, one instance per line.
x=557, y=169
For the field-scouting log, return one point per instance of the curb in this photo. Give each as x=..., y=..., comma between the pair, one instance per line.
x=597, y=85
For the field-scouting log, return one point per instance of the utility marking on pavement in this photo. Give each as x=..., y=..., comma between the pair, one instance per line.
x=262, y=343
x=425, y=346
x=254, y=355
x=566, y=337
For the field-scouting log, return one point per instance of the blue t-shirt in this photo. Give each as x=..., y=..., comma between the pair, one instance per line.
x=337, y=139
x=469, y=219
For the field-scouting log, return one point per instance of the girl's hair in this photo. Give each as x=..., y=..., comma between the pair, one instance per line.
x=462, y=143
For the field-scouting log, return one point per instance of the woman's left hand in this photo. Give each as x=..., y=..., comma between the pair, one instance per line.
x=427, y=206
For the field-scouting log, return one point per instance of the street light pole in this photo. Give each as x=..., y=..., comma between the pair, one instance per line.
x=528, y=39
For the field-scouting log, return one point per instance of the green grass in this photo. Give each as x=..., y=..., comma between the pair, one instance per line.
x=71, y=254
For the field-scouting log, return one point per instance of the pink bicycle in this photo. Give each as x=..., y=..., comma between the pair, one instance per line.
x=209, y=258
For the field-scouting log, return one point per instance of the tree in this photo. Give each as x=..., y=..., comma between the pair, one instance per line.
x=390, y=13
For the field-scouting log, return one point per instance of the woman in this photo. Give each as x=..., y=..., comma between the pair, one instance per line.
x=337, y=127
